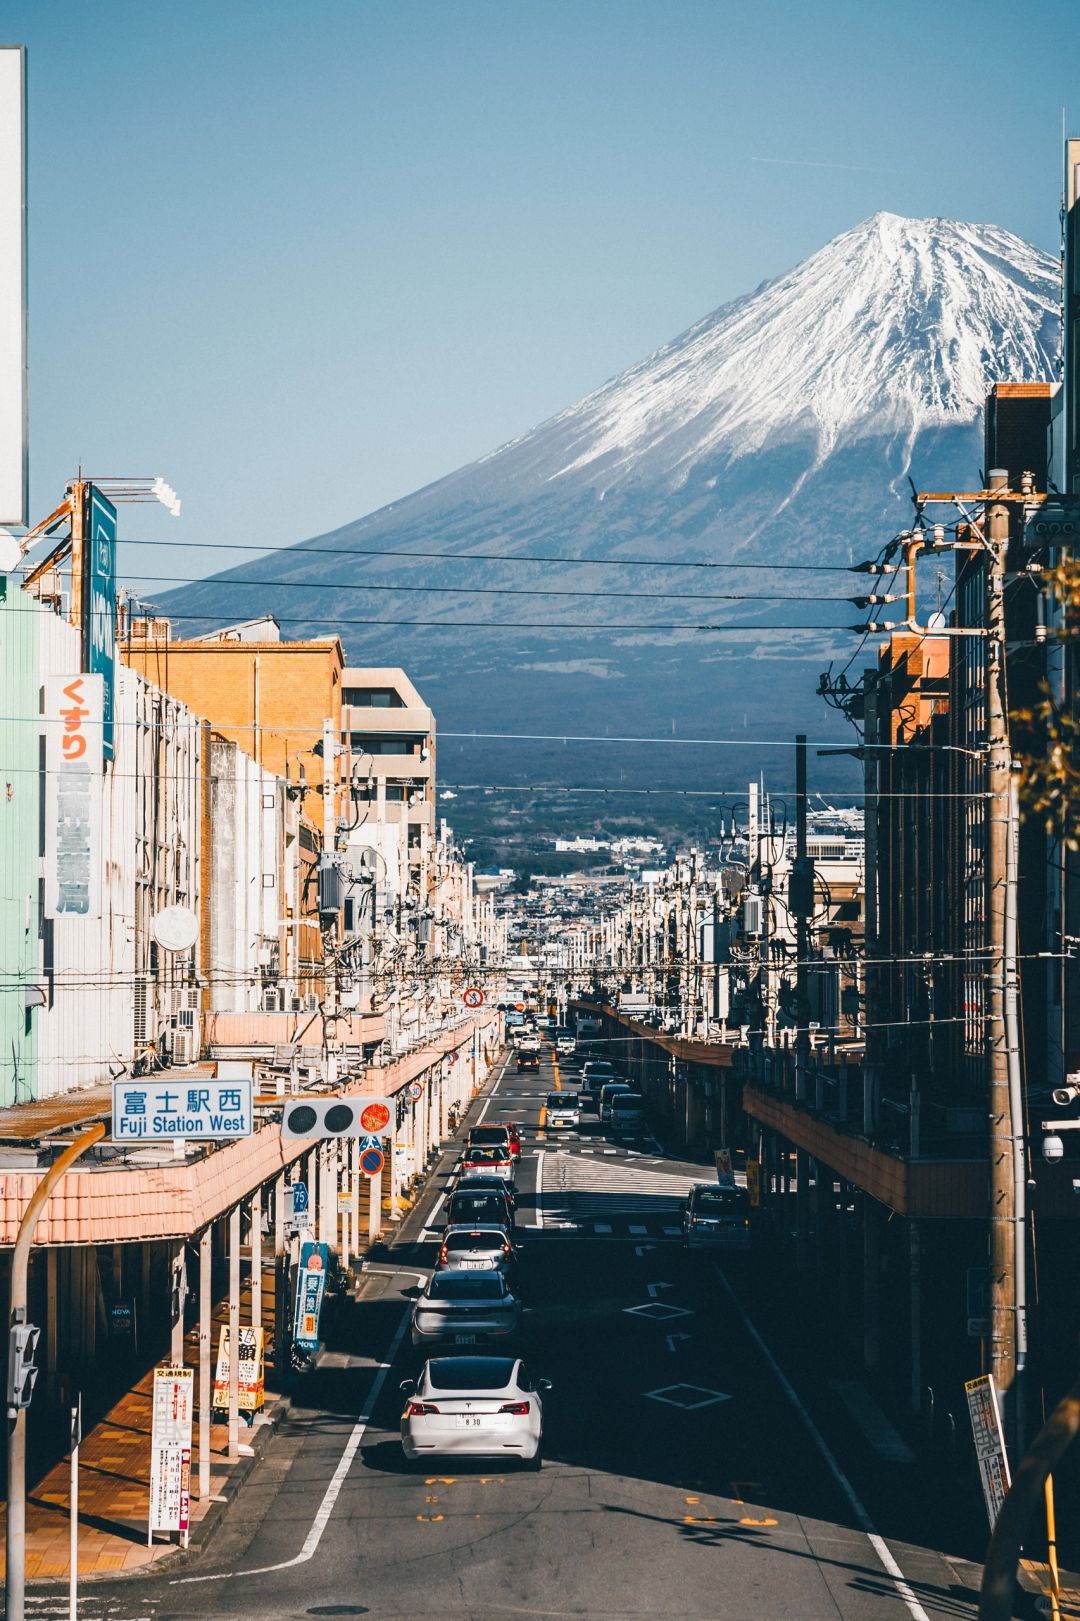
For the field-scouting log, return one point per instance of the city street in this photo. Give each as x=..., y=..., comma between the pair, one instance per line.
x=682, y=1476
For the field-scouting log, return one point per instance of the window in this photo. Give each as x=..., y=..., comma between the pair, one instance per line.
x=392, y=743
x=467, y=1286
x=470, y=1373
x=373, y=698
x=456, y=1243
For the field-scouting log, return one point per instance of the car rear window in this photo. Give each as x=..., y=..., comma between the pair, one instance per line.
x=487, y=1156
x=470, y=1373
x=476, y=1207
x=474, y=1241
x=623, y=1101
x=487, y=1137
x=721, y=1201
x=467, y=1286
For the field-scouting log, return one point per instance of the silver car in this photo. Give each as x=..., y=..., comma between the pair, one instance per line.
x=483, y=1248
x=476, y=1406
x=563, y=1109
x=465, y=1308
x=626, y=1109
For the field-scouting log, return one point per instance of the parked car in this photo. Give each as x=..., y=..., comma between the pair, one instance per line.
x=608, y=1092
x=464, y=1308
x=474, y=1406
x=716, y=1216
x=469, y=1207
x=485, y=1248
x=562, y=1109
x=626, y=1109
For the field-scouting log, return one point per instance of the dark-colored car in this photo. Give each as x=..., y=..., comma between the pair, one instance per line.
x=491, y=1184
x=717, y=1216
x=471, y=1208
x=528, y=1061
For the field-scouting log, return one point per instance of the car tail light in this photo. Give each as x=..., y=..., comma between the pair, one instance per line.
x=443, y=1255
x=418, y=1409
x=746, y=1221
x=519, y=1408
x=506, y=1249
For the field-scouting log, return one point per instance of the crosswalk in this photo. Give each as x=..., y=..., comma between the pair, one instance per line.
x=622, y=1198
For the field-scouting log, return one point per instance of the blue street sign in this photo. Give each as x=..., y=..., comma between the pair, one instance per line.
x=99, y=607
x=369, y=1142
x=371, y=1161
x=299, y=1196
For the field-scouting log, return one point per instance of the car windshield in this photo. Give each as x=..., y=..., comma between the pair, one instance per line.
x=470, y=1373
x=474, y=1241
x=467, y=1286
x=720, y=1201
x=487, y=1137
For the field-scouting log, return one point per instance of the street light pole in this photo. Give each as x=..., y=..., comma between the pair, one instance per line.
x=15, y=1573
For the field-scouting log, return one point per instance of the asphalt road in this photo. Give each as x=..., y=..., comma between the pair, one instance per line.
x=689, y=1469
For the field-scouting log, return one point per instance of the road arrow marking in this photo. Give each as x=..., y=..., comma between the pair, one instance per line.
x=673, y=1341
x=654, y=1289
x=643, y=1249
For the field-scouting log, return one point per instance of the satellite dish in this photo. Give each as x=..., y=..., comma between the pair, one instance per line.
x=175, y=928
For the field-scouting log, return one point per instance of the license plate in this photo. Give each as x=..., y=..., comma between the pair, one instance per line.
x=464, y=1339
x=471, y=1423
x=475, y=1266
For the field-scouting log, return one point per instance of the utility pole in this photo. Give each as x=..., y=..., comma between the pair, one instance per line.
x=802, y=923
x=329, y=764
x=1003, y=1248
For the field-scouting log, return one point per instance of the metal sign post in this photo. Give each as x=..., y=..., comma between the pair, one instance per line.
x=73, y=1573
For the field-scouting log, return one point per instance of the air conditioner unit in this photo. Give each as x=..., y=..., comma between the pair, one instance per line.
x=141, y=1031
x=182, y=1046
x=185, y=1019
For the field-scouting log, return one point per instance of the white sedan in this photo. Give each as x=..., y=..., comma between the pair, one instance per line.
x=474, y=1406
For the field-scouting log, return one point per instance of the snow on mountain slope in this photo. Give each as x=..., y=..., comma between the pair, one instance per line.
x=896, y=326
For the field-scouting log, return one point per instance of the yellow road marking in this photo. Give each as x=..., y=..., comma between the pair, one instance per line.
x=441, y=1480
x=543, y=1116
x=738, y=1486
x=558, y=1080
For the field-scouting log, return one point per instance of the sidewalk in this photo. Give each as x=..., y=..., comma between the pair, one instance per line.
x=114, y=1474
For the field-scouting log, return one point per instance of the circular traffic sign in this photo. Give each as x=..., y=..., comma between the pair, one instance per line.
x=519, y=1007
x=473, y=997
x=416, y=1091
x=376, y=1117
x=371, y=1161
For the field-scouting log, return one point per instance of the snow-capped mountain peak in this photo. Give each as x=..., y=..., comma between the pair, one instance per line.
x=894, y=326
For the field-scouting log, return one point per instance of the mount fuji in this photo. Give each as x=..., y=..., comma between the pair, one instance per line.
x=780, y=430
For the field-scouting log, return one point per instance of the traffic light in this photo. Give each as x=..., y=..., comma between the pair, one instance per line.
x=22, y=1371
x=337, y=1117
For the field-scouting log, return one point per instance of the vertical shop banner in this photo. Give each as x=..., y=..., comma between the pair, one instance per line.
x=989, y=1438
x=170, y=1450
x=99, y=608
x=310, y=1294
x=73, y=746
x=250, y=1370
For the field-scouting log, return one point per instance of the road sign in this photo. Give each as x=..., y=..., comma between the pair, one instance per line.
x=978, y=1301
x=250, y=1374
x=371, y=1161
x=416, y=1091
x=164, y=1111
x=989, y=1442
x=473, y=997
x=170, y=1449
x=299, y=1196
x=376, y=1117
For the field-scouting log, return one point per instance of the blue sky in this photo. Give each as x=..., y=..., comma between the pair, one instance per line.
x=304, y=257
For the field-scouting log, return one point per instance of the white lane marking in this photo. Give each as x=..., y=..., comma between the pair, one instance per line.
x=495, y=1087
x=638, y=1230
x=337, y=1480
x=671, y=1232
x=609, y=1150
x=601, y=1227
x=540, y=1187
x=878, y=1543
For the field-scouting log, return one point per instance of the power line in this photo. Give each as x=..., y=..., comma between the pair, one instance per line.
x=496, y=590
x=305, y=550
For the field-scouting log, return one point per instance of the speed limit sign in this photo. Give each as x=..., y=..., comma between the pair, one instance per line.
x=473, y=997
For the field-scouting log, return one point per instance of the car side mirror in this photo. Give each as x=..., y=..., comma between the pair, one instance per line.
x=408, y=1386
x=543, y=1384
